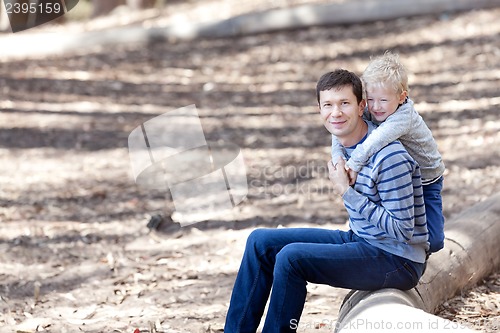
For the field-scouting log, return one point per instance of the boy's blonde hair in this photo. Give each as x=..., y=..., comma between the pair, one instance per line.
x=387, y=71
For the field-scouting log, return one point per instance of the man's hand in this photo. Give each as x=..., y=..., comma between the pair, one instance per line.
x=352, y=175
x=339, y=177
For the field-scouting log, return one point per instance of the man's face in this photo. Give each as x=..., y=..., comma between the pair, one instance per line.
x=382, y=101
x=340, y=111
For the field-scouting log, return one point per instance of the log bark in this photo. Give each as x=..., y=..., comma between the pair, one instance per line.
x=471, y=253
x=392, y=310
x=472, y=248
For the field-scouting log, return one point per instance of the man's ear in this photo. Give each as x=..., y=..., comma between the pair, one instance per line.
x=362, y=106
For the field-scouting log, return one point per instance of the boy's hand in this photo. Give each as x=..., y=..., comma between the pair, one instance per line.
x=352, y=175
x=338, y=176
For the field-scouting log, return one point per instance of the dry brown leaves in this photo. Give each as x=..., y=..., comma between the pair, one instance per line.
x=477, y=308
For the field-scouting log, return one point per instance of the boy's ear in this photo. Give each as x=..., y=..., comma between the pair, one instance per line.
x=403, y=96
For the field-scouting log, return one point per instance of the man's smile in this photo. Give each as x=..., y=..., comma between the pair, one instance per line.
x=337, y=123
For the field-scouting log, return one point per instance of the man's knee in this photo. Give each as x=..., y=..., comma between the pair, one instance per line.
x=258, y=239
x=287, y=258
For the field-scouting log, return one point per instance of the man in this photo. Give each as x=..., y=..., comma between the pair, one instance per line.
x=384, y=248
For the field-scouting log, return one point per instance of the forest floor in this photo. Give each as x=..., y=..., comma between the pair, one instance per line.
x=75, y=251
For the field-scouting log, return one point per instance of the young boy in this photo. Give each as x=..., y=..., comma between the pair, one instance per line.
x=385, y=82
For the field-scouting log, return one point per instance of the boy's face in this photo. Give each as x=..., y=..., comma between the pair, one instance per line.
x=340, y=110
x=383, y=101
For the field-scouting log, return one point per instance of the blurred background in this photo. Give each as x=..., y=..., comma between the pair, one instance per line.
x=75, y=248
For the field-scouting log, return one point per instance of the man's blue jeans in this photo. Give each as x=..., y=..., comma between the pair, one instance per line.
x=286, y=259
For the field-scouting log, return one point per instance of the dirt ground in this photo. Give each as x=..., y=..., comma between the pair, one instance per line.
x=75, y=251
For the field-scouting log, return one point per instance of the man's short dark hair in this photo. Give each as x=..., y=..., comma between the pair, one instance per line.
x=339, y=78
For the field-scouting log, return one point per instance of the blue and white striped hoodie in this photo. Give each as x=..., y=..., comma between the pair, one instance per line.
x=386, y=204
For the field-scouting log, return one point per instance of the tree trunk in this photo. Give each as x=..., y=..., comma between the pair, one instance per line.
x=470, y=253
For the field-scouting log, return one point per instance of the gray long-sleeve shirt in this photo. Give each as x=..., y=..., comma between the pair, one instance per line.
x=407, y=126
x=386, y=204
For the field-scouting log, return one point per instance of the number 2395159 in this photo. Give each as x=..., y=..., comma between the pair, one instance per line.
x=33, y=8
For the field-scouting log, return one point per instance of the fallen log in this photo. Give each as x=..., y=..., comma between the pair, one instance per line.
x=349, y=12
x=471, y=252
x=390, y=310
